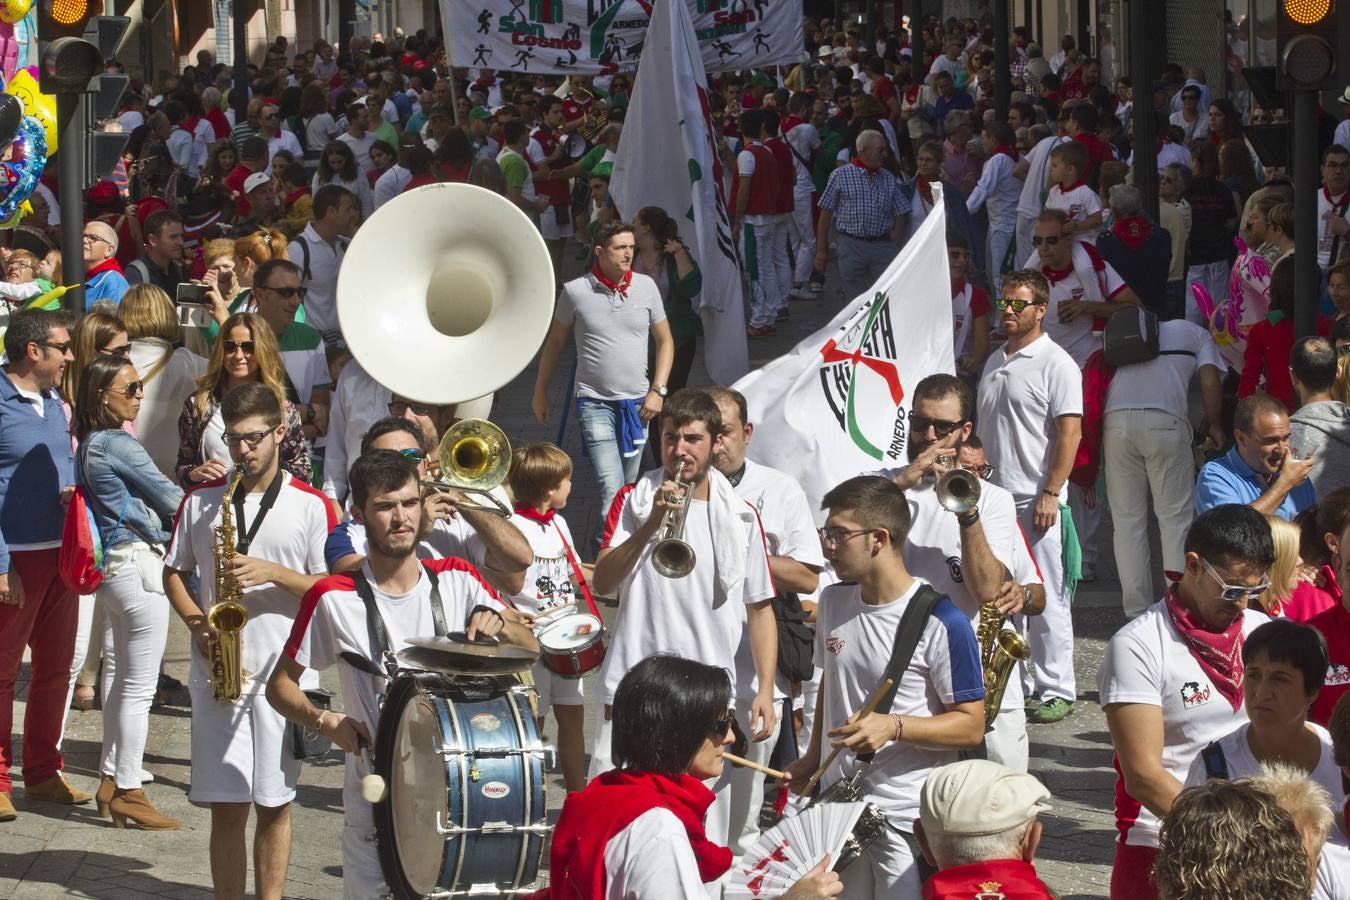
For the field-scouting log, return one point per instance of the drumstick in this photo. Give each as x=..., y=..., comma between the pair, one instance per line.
x=763, y=770
x=858, y=716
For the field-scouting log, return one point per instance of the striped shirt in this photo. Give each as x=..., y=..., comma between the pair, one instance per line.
x=864, y=204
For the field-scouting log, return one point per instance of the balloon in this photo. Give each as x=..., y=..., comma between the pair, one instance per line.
x=40, y=106
x=11, y=11
x=25, y=209
x=20, y=171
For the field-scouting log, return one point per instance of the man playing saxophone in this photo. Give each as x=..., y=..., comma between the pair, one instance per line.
x=274, y=532
x=978, y=558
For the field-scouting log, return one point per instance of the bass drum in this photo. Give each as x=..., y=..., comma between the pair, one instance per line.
x=465, y=809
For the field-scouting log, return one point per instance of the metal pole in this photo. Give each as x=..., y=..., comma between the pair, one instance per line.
x=239, y=96
x=1307, y=281
x=916, y=43
x=70, y=172
x=1145, y=121
x=1002, y=60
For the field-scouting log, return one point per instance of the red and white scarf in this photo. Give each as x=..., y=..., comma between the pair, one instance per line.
x=1219, y=653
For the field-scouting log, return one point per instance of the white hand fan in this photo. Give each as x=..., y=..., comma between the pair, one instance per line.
x=792, y=848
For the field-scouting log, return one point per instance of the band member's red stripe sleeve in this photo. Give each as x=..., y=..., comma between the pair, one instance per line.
x=182, y=505
x=322, y=497
x=309, y=604
x=455, y=564
x=615, y=511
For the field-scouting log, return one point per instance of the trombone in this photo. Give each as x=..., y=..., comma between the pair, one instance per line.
x=473, y=457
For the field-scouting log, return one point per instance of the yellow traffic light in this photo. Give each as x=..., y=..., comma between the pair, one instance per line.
x=1307, y=12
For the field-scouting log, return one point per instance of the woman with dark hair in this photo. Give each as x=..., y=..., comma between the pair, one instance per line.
x=1224, y=123
x=663, y=257
x=220, y=161
x=131, y=501
x=382, y=156
x=637, y=831
x=317, y=127
x=337, y=165
x=1270, y=341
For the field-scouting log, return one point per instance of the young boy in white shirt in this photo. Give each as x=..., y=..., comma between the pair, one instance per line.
x=1069, y=163
x=541, y=481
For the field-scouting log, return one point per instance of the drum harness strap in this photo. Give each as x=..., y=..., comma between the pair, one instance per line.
x=379, y=638
x=577, y=573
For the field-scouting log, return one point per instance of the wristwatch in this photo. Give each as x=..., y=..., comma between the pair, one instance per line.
x=661, y=391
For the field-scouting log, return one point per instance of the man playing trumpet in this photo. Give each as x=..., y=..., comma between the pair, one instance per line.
x=697, y=615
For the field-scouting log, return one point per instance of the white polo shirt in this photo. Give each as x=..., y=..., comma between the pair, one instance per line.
x=790, y=530
x=682, y=616
x=324, y=262
x=1021, y=396
x=292, y=535
x=1147, y=662
x=1164, y=383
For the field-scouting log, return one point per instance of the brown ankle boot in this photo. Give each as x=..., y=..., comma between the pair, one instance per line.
x=7, y=813
x=106, y=788
x=56, y=790
x=132, y=804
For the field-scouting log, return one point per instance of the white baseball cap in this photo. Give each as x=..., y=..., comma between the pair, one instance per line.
x=255, y=181
x=976, y=797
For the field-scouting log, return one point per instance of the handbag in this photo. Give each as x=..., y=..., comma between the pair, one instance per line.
x=81, y=557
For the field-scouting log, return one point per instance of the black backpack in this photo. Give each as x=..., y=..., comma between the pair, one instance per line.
x=1131, y=336
x=796, y=639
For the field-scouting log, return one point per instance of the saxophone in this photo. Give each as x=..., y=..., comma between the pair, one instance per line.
x=228, y=615
x=1000, y=650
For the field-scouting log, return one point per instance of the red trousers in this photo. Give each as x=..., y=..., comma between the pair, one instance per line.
x=1132, y=873
x=45, y=623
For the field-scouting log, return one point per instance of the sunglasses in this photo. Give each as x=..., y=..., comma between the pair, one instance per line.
x=1235, y=592
x=252, y=440
x=413, y=454
x=940, y=427
x=287, y=292
x=59, y=348
x=983, y=470
x=123, y=350
x=399, y=407
x=719, y=728
x=232, y=347
x=1017, y=305
x=133, y=389
x=1039, y=239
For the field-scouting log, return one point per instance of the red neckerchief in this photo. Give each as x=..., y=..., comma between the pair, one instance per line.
x=1055, y=276
x=1006, y=150
x=1132, y=231
x=857, y=161
x=789, y=123
x=526, y=511
x=189, y=124
x=547, y=517
x=1215, y=138
x=1218, y=653
x=620, y=287
x=608, y=805
x=1073, y=187
x=1009, y=879
x=912, y=94
x=296, y=195
x=108, y=265
x=925, y=189
x=1338, y=203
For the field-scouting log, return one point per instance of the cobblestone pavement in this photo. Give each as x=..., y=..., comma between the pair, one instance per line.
x=61, y=851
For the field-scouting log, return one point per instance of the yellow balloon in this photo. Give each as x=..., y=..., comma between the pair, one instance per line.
x=35, y=103
x=11, y=11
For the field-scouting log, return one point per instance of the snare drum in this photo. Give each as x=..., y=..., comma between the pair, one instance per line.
x=465, y=769
x=572, y=645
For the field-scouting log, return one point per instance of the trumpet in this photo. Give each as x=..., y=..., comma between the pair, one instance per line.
x=672, y=556
x=473, y=457
x=597, y=123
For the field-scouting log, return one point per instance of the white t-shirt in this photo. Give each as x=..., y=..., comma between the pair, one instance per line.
x=1327, y=212
x=1038, y=169
x=548, y=580
x=789, y=530
x=805, y=139
x=1147, y=662
x=1333, y=874
x=287, y=141
x=745, y=165
x=130, y=120
x=391, y=184
x=854, y=641
x=1020, y=398
x=321, y=129
x=1237, y=754
x=292, y=535
x=1077, y=337
x=651, y=858
x=359, y=401
x=933, y=549
x=332, y=621
x=1193, y=131
x=360, y=149
x=1079, y=203
x=683, y=616
x=451, y=538
x=1163, y=383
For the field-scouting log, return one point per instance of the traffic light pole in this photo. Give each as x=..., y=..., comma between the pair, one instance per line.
x=1307, y=277
x=70, y=172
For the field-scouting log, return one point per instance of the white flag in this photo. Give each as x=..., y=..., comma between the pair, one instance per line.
x=668, y=158
x=838, y=404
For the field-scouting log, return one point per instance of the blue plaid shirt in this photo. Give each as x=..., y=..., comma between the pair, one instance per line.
x=864, y=204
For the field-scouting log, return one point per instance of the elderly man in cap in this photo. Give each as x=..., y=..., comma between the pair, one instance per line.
x=439, y=123
x=977, y=825
x=261, y=192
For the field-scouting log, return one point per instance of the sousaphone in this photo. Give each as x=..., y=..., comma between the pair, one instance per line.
x=445, y=294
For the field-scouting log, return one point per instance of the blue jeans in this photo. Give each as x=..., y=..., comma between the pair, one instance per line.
x=600, y=437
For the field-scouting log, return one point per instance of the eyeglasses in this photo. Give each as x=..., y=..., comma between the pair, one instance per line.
x=984, y=470
x=1235, y=592
x=1038, y=239
x=719, y=728
x=20, y=264
x=59, y=348
x=399, y=407
x=834, y=535
x=252, y=440
x=133, y=389
x=93, y=239
x=121, y=350
x=940, y=427
x=1017, y=305
x=413, y=454
x=285, y=293
x=233, y=347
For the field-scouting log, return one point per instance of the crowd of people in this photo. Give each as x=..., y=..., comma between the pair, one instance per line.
x=205, y=379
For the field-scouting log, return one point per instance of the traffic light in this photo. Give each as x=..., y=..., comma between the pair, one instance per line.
x=1306, y=41
x=63, y=18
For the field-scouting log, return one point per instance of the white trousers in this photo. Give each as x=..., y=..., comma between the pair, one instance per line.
x=885, y=871
x=809, y=693
x=1147, y=454
x=1006, y=742
x=747, y=786
x=137, y=613
x=766, y=262
x=1051, y=633
x=86, y=623
x=802, y=233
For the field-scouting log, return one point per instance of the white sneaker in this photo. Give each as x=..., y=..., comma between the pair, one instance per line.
x=146, y=777
x=802, y=292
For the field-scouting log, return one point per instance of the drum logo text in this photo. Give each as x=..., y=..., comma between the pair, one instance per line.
x=496, y=790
